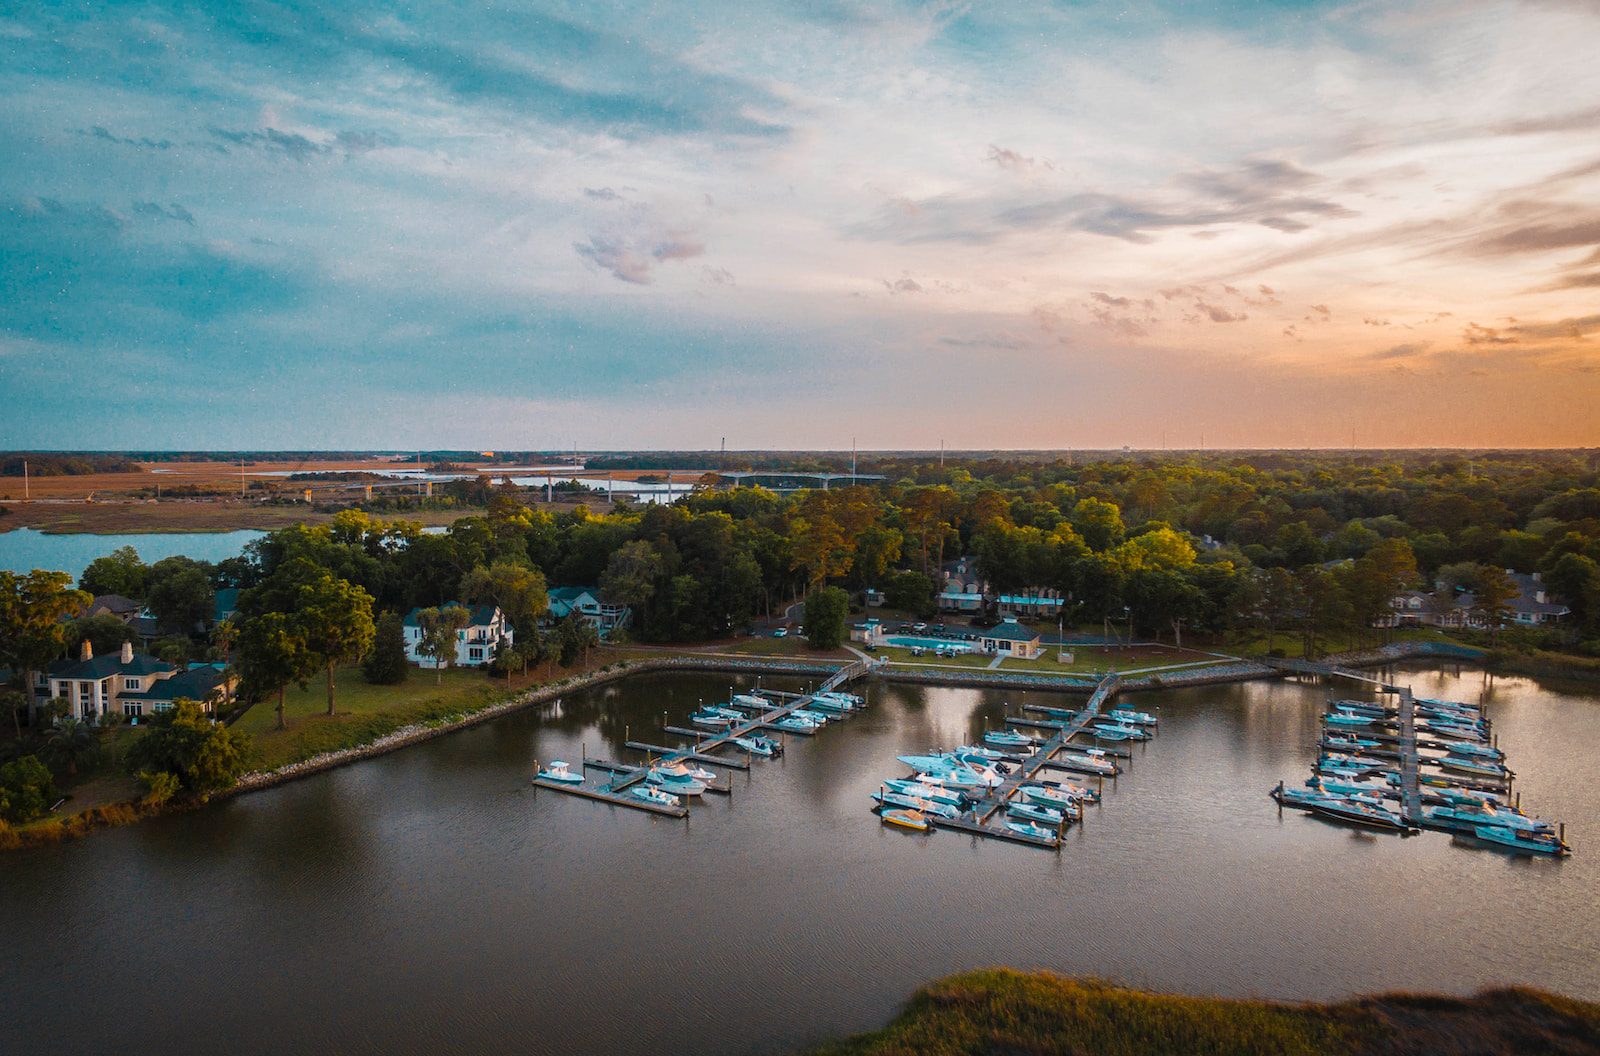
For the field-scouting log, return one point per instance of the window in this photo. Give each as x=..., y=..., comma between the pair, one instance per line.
x=160, y=706
x=475, y=654
x=134, y=684
x=86, y=688
x=133, y=710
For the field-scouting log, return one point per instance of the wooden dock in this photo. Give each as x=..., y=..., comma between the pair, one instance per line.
x=703, y=749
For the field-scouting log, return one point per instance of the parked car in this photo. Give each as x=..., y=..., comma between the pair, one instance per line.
x=781, y=632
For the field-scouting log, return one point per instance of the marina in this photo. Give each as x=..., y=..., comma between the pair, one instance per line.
x=1376, y=770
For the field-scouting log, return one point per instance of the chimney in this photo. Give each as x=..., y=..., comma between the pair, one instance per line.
x=127, y=652
x=86, y=651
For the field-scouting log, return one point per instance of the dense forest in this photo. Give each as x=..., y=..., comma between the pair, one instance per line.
x=64, y=464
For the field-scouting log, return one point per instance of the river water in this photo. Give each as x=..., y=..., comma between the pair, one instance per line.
x=25, y=549
x=430, y=901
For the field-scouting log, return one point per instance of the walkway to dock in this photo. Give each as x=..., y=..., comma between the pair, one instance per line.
x=619, y=790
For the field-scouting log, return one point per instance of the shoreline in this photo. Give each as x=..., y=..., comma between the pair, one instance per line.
x=116, y=814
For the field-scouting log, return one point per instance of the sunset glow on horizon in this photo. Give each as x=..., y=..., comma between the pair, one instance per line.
x=1281, y=225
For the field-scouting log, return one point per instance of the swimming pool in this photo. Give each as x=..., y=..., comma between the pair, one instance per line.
x=907, y=642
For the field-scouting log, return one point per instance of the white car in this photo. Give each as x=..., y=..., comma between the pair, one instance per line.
x=781, y=632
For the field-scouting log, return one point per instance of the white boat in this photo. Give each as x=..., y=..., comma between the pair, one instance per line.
x=561, y=772
x=651, y=794
x=677, y=781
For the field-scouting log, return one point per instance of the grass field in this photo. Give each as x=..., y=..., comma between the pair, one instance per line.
x=365, y=712
x=987, y=1013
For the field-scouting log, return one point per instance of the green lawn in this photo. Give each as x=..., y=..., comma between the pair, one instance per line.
x=365, y=712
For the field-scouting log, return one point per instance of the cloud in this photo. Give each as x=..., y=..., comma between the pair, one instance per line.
x=167, y=212
x=1219, y=315
x=604, y=194
x=903, y=285
x=1114, y=302
x=1483, y=335
x=1012, y=161
x=634, y=259
x=142, y=142
x=271, y=140
x=1406, y=351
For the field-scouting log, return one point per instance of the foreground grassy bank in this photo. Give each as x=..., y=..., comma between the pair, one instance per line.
x=1000, y=1011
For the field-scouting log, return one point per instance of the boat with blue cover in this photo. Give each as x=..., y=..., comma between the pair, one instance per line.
x=1114, y=731
x=1477, y=767
x=1480, y=751
x=791, y=724
x=1349, y=742
x=1080, y=793
x=756, y=744
x=561, y=772
x=1133, y=718
x=1345, y=718
x=751, y=700
x=1469, y=816
x=711, y=718
x=816, y=717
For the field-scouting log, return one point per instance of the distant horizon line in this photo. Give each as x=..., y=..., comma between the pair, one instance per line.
x=716, y=452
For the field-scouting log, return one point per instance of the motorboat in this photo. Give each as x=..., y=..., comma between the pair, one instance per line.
x=1111, y=731
x=562, y=773
x=1084, y=762
x=1478, y=751
x=1080, y=793
x=1354, y=812
x=1478, y=767
x=1133, y=718
x=1470, y=797
x=791, y=724
x=711, y=719
x=1037, y=832
x=756, y=744
x=1349, y=742
x=829, y=706
x=676, y=782
x=1526, y=842
x=927, y=806
x=1009, y=739
x=751, y=700
x=978, y=750
x=1344, y=718
x=1047, y=795
x=925, y=790
x=905, y=818
x=1059, y=714
x=651, y=794
x=1361, y=707
x=1469, y=816
x=1034, y=812
x=848, y=700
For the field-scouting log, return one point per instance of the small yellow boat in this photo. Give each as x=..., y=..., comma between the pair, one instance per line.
x=906, y=819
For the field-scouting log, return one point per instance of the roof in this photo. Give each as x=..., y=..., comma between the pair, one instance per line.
x=227, y=603
x=115, y=604
x=110, y=664
x=195, y=684
x=1010, y=632
x=477, y=615
x=571, y=594
x=1531, y=586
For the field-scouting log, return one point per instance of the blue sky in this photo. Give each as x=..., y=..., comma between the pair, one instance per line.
x=1016, y=225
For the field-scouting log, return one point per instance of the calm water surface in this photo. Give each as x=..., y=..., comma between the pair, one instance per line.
x=432, y=902
x=25, y=549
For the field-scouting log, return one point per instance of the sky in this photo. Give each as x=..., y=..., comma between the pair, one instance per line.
x=806, y=225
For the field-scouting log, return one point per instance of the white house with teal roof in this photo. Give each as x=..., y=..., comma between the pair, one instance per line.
x=486, y=631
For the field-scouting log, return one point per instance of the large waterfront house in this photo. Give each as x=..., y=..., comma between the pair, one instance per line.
x=124, y=609
x=1532, y=607
x=962, y=589
x=486, y=631
x=132, y=684
x=602, y=615
x=1011, y=638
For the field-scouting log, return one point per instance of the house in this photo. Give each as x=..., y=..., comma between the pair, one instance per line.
x=485, y=632
x=226, y=604
x=873, y=597
x=870, y=632
x=1532, y=606
x=962, y=589
x=603, y=616
x=1010, y=637
x=124, y=609
x=131, y=683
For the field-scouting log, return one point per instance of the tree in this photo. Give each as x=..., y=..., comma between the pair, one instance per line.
x=826, y=611
x=71, y=744
x=575, y=636
x=205, y=756
x=909, y=591
x=440, y=629
x=273, y=653
x=1377, y=577
x=32, y=608
x=335, y=617
x=631, y=575
x=26, y=790
x=119, y=572
x=386, y=663
x=224, y=636
x=180, y=595
x=1492, y=594
x=104, y=633
x=1099, y=522
x=517, y=588
x=1575, y=579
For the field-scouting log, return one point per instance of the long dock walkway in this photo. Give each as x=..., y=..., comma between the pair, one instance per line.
x=619, y=787
x=981, y=821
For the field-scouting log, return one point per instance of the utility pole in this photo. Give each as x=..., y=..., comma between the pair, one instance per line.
x=26, y=493
x=941, y=452
x=241, y=478
x=852, y=461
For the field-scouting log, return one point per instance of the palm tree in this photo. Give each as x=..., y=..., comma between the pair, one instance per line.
x=69, y=743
